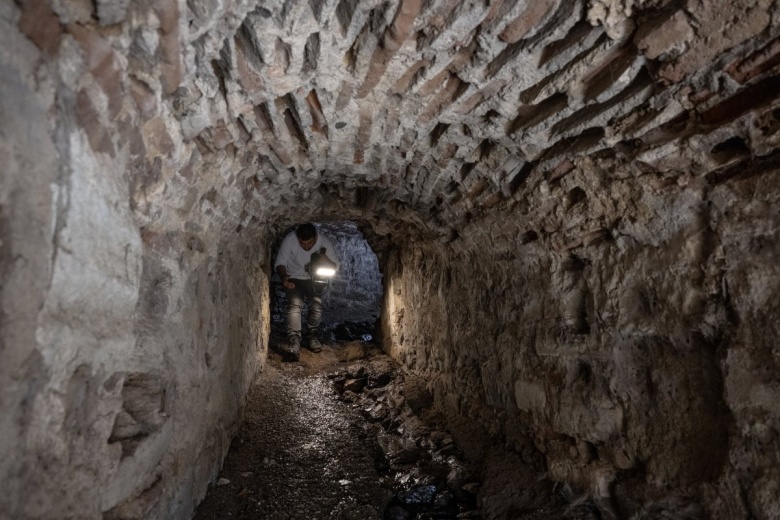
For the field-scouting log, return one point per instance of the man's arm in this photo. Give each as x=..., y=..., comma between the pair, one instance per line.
x=282, y=272
x=281, y=269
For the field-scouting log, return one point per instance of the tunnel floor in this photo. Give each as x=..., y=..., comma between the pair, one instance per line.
x=340, y=435
x=300, y=453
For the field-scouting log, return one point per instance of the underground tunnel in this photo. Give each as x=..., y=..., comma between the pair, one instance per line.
x=573, y=206
x=351, y=301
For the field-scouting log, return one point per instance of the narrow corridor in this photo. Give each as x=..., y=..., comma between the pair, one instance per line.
x=559, y=218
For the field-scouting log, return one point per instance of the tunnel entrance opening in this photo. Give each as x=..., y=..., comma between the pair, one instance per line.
x=351, y=302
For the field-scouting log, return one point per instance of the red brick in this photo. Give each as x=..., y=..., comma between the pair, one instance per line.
x=89, y=119
x=531, y=17
x=103, y=64
x=40, y=24
x=170, y=48
x=144, y=98
x=764, y=59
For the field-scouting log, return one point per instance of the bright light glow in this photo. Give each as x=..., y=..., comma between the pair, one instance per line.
x=325, y=271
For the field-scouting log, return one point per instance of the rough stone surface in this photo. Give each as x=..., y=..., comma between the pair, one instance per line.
x=122, y=375
x=614, y=367
x=574, y=205
x=355, y=294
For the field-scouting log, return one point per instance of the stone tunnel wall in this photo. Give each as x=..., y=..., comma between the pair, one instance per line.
x=128, y=340
x=356, y=293
x=572, y=202
x=638, y=363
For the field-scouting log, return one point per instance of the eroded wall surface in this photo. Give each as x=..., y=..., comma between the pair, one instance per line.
x=637, y=361
x=574, y=204
x=355, y=294
x=127, y=346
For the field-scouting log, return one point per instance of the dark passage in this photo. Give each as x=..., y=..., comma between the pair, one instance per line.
x=560, y=218
x=352, y=300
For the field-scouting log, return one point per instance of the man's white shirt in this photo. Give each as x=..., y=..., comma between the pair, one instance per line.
x=294, y=258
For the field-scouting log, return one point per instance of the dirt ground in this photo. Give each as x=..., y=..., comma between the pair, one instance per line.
x=339, y=435
x=301, y=452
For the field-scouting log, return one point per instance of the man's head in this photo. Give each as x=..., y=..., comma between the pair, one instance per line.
x=307, y=236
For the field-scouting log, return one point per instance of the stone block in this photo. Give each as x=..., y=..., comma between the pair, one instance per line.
x=530, y=397
x=157, y=138
x=111, y=12
x=90, y=120
x=669, y=37
x=41, y=25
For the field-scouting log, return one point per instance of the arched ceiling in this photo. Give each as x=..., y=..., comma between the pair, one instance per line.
x=433, y=112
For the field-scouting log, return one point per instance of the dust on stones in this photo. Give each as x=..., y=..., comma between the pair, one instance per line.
x=300, y=452
x=346, y=434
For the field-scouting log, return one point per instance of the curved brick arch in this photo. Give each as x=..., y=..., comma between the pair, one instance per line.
x=573, y=204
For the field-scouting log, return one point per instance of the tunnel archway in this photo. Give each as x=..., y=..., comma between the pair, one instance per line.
x=352, y=300
x=581, y=196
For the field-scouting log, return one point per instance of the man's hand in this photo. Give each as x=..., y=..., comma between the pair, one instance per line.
x=282, y=272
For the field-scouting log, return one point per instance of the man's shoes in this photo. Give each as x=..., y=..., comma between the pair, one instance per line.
x=291, y=353
x=315, y=345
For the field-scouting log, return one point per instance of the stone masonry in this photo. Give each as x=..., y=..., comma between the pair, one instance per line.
x=574, y=205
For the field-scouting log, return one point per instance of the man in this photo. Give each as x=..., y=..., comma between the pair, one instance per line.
x=292, y=262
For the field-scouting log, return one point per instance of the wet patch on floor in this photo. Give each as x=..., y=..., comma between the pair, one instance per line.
x=419, y=463
x=300, y=453
x=339, y=435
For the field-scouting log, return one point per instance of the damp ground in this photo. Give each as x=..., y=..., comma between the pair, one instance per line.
x=301, y=452
x=343, y=434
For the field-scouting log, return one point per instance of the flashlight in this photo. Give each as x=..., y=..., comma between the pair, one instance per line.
x=320, y=265
x=321, y=269
x=325, y=271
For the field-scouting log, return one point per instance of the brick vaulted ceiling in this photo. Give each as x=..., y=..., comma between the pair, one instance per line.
x=152, y=150
x=444, y=109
